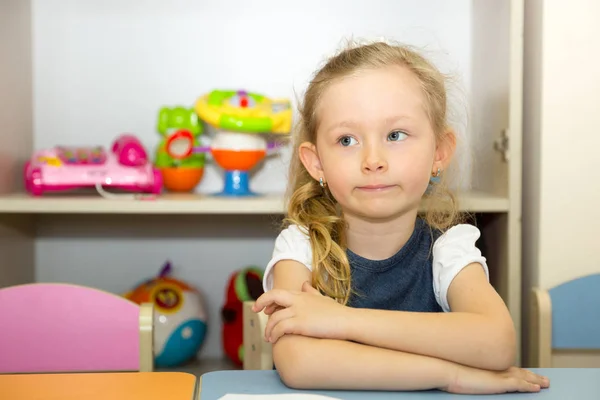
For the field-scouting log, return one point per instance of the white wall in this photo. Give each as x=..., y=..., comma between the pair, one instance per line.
x=104, y=67
x=570, y=216
x=561, y=191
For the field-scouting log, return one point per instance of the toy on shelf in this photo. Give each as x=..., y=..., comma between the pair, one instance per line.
x=179, y=174
x=179, y=317
x=237, y=153
x=243, y=285
x=244, y=111
x=125, y=166
x=242, y=121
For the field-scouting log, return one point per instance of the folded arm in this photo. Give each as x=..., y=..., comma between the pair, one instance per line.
x=312, y=363
x=479, y=331
x=329, y=364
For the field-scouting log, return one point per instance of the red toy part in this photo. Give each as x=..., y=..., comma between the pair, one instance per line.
x=244, y=285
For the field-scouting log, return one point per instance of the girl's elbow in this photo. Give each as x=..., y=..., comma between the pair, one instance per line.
x=291, y=375
x=505, y=349
x=289, y=361
x=504, y=359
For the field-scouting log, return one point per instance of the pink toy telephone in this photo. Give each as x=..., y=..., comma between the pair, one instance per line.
x=62, y=168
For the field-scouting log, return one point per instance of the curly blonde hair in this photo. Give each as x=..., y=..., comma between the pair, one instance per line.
x=312, y=207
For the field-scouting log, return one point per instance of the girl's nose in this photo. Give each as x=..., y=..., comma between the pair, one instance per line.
x=374, y=162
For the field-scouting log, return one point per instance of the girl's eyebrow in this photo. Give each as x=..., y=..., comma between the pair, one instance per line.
x=343, y=124
x=397, y=118
x=353, y=124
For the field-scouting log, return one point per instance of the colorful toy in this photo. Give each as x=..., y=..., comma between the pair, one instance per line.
x=244, y=111
x=241, y=120
x=179, y=317
x=243, y=285
x=237, y=153
x=179, y=174
x=63, y=168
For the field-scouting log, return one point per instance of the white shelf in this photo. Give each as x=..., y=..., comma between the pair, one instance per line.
x=473, y=201
x=164, y=204
x=478, y=201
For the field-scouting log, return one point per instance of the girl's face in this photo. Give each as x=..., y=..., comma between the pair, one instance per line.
x=375, y=146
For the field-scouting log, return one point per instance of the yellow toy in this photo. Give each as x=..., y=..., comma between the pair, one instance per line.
x=242, y=121
x=243, y=111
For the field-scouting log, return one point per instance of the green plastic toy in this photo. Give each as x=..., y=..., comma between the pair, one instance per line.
x=171, y=120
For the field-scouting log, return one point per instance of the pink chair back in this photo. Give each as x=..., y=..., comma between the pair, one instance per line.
x=53, y=327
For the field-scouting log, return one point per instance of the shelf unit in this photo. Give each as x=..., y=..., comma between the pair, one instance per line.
x=495, y=65
x=472, y=201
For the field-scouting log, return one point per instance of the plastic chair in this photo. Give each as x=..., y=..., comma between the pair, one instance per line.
x=258, y=354
x=55, y=327
x=565, y=324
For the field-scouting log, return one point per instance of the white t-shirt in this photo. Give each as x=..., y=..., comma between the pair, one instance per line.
x=452, y=251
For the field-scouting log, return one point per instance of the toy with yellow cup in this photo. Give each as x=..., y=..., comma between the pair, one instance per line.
x=243, y=120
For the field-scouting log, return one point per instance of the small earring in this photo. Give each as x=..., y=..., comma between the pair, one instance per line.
x=435, y=176
x=323, y=184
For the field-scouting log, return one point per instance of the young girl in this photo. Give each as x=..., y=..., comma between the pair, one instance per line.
x=360, y=287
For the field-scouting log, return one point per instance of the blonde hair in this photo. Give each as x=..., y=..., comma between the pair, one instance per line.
x=313, y=207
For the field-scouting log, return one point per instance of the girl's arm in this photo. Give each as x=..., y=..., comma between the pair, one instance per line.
x=306, y=362
x=311, y=363
x=476, y=329
x=329, y=364
x=479, y=331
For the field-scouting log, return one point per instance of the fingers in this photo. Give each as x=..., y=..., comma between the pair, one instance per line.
x=545, y=382
x=536, y=379
x=522, y=385
x=274, y=320
x=529, y=376
x=279, y=297
x=269, y=310
x=523, y=380
x=285, y=327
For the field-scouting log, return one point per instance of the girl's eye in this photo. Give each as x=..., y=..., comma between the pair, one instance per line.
x=396, y=136
x=347, y=141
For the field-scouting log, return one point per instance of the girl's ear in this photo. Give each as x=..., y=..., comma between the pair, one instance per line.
x=310, y=159
x=444, y=150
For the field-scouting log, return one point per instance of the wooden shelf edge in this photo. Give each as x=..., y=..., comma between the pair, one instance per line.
x=164, y=204
x=21, y=203
x=477, y=201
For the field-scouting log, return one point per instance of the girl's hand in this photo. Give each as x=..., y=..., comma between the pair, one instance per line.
x=306, y=313
x=477, y=381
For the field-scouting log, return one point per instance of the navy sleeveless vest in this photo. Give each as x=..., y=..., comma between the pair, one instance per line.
x=403, y=282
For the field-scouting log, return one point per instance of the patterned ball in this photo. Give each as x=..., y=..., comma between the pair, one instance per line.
x=179, y=319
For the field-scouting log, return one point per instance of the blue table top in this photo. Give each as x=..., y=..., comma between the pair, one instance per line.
x=565, y=383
